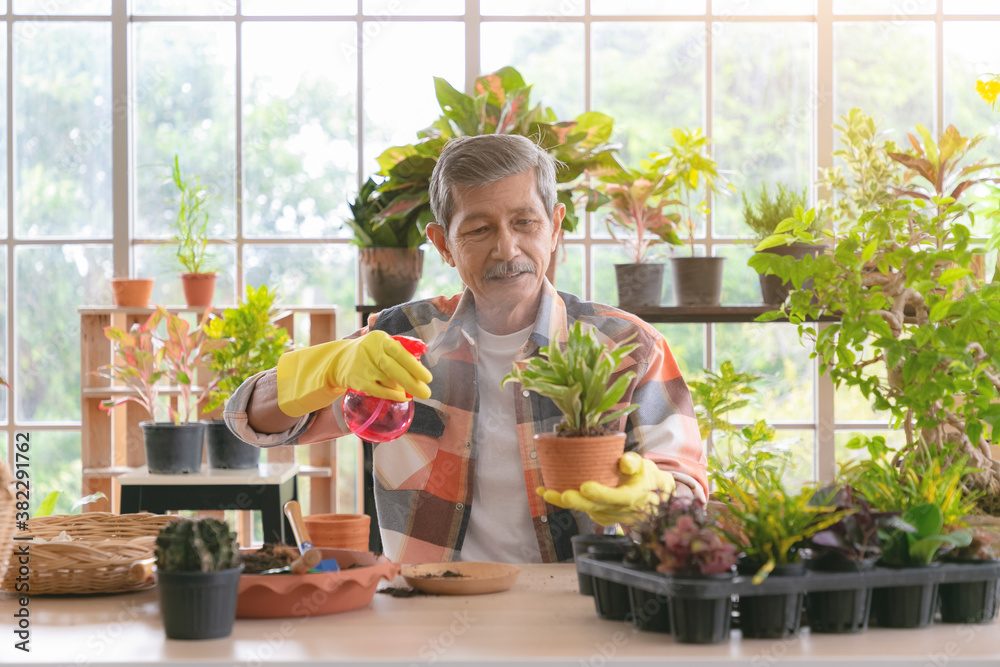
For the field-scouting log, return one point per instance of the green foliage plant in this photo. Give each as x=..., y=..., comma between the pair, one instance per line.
x=500, y=104
x=191, y=224
x=578, y=380
x=681, y=536
x=196, y=545
x=691, y=164
x=921, y=539
x=764, y=215
x=918, y=333
x=142, y=358
x=371, y=230
x=255, y=343
x=636, y=199
x=48, y=504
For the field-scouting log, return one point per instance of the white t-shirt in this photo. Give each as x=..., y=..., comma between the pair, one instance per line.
x=500, y=526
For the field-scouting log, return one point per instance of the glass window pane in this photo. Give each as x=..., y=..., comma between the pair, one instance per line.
x=4, y=223
x=603, y=285
x=55, y=466
x=687, y=344
x=62, y=125
x=786, y=392
x=895, y=439
x=160, y=262
x=763, y=115
x=70, y=8
x=969, y=53
x=570, y=266
x=4, y=355
x=307, y=275
x=299, y=7
x=399, y=98
x=438, y=277
x=47, y=348
x=300, y=150
x=531, y=7
x=763, y=7
x=548, y=55
x=183, y=8
x=970, y=7
x=867, y=67
x=891, y=7
x=646, y=102
x=185, y=74
x=390, y=8
x=647, y=7
x=740, y=283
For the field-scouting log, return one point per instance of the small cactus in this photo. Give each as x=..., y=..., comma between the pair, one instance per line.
x=196, y=545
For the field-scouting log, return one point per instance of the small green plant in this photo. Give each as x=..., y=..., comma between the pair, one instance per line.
x=48, y=504
x=577, y=380
x=196, y=545
x=373, y=230
x=137, y=362
x=764, y=215
x=680, y=536
x=636, y=199
x=191, y=224
x=922, y=539
x=254, y=343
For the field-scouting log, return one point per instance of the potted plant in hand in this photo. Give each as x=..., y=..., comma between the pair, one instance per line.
x=697, y=280
x=578, y=379
x=764, y=217
x=198, y=572
x=254, y=344
x=636, y=199
x=191, y=236
x=141, y=360
x=392, y=260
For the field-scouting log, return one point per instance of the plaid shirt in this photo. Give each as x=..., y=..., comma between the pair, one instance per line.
x=424, y=479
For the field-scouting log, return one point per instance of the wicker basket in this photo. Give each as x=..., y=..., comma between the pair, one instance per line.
x=6, y=518
x=97, y=560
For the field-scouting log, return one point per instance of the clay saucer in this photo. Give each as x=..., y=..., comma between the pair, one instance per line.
x=461, y=578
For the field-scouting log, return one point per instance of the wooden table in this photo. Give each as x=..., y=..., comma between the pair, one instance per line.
x=543, y=620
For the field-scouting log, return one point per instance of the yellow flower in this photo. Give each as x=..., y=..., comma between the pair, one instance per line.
x=989, y=89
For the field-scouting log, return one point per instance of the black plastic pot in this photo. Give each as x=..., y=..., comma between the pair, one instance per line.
x=702, y=620
x=840, y=611
x=198, y=605
x=580, y=545
x=173, y=449
x=773, y=616
x=969, y=602
x=905, y=606
x=225, y=450
x=649, y=611
x=610, y=598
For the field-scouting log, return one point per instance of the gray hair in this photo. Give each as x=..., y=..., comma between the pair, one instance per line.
x=484, y=159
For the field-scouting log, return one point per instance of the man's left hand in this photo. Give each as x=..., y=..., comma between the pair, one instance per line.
x=640, y=484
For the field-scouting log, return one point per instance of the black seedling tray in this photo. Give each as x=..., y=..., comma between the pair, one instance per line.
x=810, y=581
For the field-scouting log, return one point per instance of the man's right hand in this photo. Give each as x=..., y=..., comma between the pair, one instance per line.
x=375, y=364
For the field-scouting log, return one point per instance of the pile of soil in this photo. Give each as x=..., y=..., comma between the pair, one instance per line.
x=268, y=557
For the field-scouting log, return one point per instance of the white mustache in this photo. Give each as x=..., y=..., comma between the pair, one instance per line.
x=508, y=270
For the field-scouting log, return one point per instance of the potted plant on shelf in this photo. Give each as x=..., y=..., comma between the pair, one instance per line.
x=141, y=360
x=198, y=572
x=578, y=379
x=973, y=601
x=131, y=292
x=636, y=199
x=901, y=280
x=191, y=236
x=500, y=104
x=697, y=280
x=763, y=217
x=392, y=260
x=254, y=344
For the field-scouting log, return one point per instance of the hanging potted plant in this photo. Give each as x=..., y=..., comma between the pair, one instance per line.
x=198, y=575
x=697, y=280
x=636, y=199
x=191, y=236
x=763, y=217
x=578, y=379
x=141, y=360
x=254, y=344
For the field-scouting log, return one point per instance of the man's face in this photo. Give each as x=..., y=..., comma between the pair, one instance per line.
x=500, y=239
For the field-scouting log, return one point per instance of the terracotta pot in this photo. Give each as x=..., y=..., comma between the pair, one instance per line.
x=339, y=531
x=199, y=289
x=566, y=463
x=132, y=292
x=391, y=274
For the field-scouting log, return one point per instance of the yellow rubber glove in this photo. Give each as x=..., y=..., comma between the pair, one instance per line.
x=315, y=377
x=640, y=483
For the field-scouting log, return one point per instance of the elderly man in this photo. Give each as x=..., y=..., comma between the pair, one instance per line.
x=461, y=483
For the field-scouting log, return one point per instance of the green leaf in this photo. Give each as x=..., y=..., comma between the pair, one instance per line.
x=86, y=500
x=955, y=273
x=48, y=504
